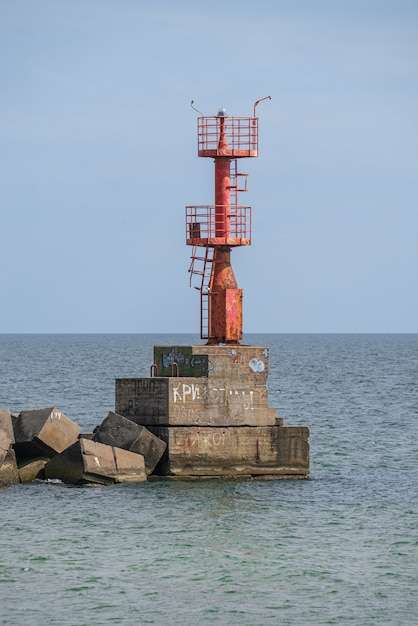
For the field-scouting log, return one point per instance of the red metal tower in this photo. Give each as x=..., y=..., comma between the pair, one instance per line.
x=215, y=229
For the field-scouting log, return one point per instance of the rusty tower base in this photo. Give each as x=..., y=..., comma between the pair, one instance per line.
x=210, y=405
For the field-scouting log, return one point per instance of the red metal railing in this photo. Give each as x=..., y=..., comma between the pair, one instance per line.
x=240, y=134
x=202, y=227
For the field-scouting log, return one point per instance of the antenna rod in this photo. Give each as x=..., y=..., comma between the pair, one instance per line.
x=194, y=108
x=261, y=100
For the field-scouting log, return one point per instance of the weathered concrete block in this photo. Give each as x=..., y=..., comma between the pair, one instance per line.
x=130, y=466
x=235, y=451
x=143, y=400
x=121, y=432
x=238, y=363
x=8, y=470
x=88, y=461
x=33, y=469
x=180, y=361
x=210, y=404
x=193, y=401
x=6, y=424
x=8, y=467
x=43, y=432
x=5, y=445
x=229, y=388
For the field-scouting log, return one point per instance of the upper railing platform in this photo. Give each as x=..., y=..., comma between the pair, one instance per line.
x=239, y=136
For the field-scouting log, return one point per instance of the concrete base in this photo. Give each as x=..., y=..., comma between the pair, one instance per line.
x=210, y=405
x=235, y=451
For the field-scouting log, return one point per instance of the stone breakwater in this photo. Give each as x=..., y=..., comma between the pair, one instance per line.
x=46, y=444
x=203, y=412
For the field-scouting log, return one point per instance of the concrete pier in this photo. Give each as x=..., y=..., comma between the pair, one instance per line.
x=210, y=405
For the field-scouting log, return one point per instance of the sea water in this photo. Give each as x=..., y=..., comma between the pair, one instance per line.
x=339, y=548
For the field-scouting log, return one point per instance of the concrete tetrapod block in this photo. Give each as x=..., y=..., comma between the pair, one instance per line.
x=88, y=461
x=7, y=437
x=5, y=445
x=32, y=469
x=8, y=467
x=8, y=470
x=121, y=432
x=6, y=424
x=43, y=432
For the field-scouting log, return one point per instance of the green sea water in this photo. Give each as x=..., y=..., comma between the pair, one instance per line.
x=340, y=548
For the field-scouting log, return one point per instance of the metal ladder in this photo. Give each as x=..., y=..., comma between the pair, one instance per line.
x=235, y=184
x=202, y=266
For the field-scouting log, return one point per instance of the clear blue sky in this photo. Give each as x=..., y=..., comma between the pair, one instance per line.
x=98, y=160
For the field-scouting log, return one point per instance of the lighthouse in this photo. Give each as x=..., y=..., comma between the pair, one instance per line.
x=209, y=402
x=215, y=230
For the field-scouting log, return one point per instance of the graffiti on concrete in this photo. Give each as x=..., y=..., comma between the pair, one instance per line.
x=203, y=404
x=180, y=360
x=185, y=392
x=203, y=440
x=256, y=365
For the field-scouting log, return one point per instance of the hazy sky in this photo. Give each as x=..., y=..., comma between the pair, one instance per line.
x=98, y=159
